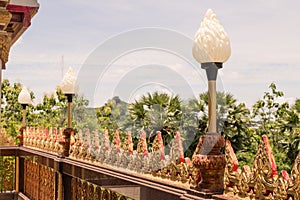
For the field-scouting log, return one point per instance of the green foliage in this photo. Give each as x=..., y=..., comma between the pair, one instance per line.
x=112, y=116
x=157, y=112
x=296, y=106
x=52, y=111
x=11, y=110
x=280, y=123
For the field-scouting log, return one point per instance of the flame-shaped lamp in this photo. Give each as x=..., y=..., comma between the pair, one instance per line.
x=211, y=49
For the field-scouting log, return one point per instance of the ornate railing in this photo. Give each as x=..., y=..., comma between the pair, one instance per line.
x=263, y=180
x=87, y=168
x=7, y=173
x=46, y=139
x=40, y=181
x=50, y=167
x=96, y=148
x=82, y=189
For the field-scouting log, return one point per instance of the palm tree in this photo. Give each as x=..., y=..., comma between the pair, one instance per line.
x=157, y=112
x=233, y=121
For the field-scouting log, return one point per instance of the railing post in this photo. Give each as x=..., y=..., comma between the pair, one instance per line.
x=21, y=177
x=17, y=173
x=67, y=188
x=17, y=160
x=63, y=183
x=58, y=180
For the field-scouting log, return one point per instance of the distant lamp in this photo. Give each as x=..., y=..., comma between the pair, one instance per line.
x=68, y=88
x=24, y=99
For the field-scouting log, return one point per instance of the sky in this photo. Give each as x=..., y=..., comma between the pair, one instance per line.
x=130, y=47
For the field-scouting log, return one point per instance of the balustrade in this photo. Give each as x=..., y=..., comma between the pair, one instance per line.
x=96, y=147
x=93, y=150
x=46, y=179
x=46, y=139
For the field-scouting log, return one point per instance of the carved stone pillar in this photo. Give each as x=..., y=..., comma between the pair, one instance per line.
x=211, y=163
x=4, y=44
x=5, y=39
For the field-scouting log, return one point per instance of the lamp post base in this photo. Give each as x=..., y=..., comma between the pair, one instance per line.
x=211, y=163
x=21, y=136
x=66, y=142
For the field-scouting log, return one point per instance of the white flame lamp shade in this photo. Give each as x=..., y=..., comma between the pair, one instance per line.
x=68, y=84
x=24, y=97
x=211, y=44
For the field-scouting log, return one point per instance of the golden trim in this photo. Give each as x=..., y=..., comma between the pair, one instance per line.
x=5, y=17
x=4, y=47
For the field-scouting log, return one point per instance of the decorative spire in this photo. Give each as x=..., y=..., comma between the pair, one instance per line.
x=117, y=141
x=176, y=149
x=128, y=145
x=161, y=145
x=142, y=144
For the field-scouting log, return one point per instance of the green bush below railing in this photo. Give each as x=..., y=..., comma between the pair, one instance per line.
x=7, y=174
